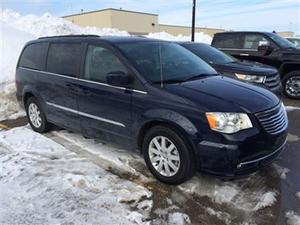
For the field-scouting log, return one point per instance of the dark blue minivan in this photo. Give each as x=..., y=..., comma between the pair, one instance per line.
x=153, y=95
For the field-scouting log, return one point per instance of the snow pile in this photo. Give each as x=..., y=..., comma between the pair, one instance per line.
x=47, y=25
x=199, y=37
x=44, y=183
x=292, y=218
x=12, y=42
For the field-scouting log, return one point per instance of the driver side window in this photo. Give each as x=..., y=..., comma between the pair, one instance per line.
x=99, y=62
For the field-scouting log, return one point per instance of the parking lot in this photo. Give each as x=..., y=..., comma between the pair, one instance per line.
x=266, y=197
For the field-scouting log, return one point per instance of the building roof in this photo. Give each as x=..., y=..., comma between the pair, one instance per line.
x=112, y=9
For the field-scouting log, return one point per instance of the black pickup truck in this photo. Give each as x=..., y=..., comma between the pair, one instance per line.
x=266, y=48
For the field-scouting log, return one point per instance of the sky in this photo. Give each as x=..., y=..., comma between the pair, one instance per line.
x=262, y=15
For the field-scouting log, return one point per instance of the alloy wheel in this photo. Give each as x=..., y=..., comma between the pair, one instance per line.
x=34, y=115
x=164, y=156
x=292, y=86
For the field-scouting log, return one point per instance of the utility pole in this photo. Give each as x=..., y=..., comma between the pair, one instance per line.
x=193, y=20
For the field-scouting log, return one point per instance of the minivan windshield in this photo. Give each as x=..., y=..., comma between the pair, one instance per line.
x=164, y=62
x=282, y=42
x=209, y=54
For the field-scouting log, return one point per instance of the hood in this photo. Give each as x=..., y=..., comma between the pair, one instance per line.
x=291, y=54
x=250, y=68
x=221, y=94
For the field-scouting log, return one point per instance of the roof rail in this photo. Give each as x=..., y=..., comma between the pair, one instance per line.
x=71, y=35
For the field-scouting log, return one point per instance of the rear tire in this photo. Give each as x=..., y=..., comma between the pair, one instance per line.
x=167, y=155
x=291, y=84
x=36, y=116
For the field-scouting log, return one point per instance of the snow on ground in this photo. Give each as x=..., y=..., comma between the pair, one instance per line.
x=292, y=218
x=42, y=182
x=231, y=193
x=282, y=172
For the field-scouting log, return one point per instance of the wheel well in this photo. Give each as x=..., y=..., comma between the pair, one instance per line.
x=26, y=97
x=151, y=124
x=289, y=68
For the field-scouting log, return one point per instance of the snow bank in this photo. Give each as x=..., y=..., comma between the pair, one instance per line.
x=47, y=25
x=11, y=44
x=199, y=37
x=44, y=183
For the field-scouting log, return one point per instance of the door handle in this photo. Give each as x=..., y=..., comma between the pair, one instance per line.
x=244, y=54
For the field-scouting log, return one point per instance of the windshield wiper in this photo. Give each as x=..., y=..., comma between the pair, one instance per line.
x=173, y=81
x=200, y=76
x=169, y=81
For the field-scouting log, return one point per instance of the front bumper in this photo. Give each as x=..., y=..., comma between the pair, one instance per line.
x=239, y=158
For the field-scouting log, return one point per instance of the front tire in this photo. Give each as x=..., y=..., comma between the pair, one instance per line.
x=291, y=84
x=36, y=116
x=167, y=155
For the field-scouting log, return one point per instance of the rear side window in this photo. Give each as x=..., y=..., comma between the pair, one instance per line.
x=64, y=58
x=232, y=41
x=99, y=62
x=34, y=56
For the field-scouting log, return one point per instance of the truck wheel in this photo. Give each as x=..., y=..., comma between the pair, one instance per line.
x=291, y=84
x=36, y=116
x=167, y=155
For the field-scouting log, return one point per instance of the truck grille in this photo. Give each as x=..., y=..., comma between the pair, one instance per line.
x=273, y=120
x=273, y=81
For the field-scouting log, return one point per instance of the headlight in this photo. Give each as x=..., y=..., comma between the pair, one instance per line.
x=228, y=123
x=251, y=78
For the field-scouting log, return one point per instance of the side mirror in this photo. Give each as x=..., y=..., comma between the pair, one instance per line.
x=117, y=78
x=265, y=49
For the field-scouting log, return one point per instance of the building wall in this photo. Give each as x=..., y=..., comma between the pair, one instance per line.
x=134, y=23
x=101, y=18
x=286, y=34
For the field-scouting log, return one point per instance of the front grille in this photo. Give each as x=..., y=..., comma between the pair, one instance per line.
x=273, y=120
x=273, y=81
